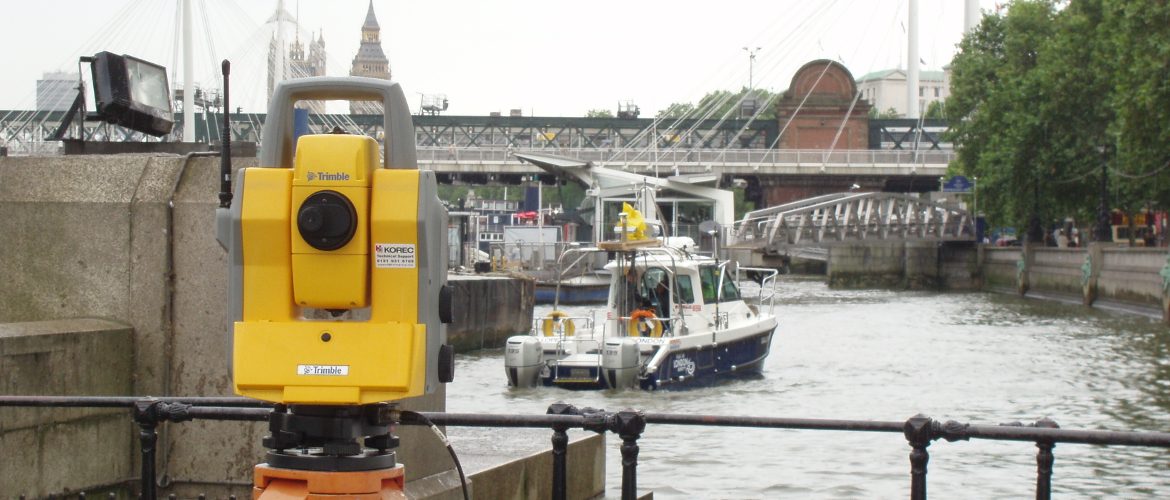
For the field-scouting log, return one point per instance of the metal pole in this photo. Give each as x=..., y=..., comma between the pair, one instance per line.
x=1044, y=461
x=560, y=446
x=145, y=414
x=1103, y=231
x=919, y=432
x=629, y=425
x=971, y=16
x=912, y=108
x=188, y=76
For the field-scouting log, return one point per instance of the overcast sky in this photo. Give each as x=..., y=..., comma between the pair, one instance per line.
x=548, y=58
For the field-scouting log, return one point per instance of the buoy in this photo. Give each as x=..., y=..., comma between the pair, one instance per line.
x=549, y=323
x=641, y=317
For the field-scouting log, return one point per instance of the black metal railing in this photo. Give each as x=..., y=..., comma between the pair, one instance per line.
x=920, y=431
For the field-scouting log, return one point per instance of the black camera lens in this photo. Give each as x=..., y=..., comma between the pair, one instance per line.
x=327, y=220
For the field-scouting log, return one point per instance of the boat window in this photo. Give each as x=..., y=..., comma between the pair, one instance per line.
x=658, y=288
x=627, y=291
x=686, y=291
x=709, y=280
x=730, y=289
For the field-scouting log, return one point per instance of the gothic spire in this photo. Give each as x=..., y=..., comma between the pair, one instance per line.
x=371, y=20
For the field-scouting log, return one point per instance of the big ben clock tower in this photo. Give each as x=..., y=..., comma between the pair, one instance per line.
x=370, y=61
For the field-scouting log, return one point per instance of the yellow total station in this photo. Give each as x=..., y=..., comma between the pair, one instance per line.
x=338, y=277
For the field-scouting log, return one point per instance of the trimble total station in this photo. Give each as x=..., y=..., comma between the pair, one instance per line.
x=338, y=272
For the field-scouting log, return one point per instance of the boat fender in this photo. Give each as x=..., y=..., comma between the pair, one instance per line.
x=549, y=325
x=642, y=322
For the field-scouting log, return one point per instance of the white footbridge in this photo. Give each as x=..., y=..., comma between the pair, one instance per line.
x=806, y=228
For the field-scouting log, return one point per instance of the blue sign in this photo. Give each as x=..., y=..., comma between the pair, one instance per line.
x=957, y=184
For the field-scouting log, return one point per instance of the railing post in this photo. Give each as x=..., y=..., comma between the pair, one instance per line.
x=919, y=431
x=629, y=424
x=148, y=412
x=1044, y=461
x=560, y=446
x=146, y=415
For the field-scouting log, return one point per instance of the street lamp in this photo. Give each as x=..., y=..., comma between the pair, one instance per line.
x=975, y=194
x=751, y=63
x=1103, y=230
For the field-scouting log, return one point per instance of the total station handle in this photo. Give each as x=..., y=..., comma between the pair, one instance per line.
x=277, y=146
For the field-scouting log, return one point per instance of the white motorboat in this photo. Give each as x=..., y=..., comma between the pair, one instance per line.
x=672, y=317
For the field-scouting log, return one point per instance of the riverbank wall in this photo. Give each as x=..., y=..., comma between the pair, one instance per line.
x=1101, y=275
x=915, y=265
x=127, y=243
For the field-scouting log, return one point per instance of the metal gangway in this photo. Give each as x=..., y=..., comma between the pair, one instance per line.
x=806, y=227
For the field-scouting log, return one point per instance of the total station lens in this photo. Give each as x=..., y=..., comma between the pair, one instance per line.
x=327, y=220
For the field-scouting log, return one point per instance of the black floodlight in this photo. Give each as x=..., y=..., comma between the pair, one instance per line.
x=132, y=93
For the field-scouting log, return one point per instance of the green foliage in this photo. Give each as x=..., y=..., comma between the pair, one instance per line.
x=1038, y=89
x=934, y=111
x=884, y=115
x=568, y=195
x=724, y=104
x=599, y=113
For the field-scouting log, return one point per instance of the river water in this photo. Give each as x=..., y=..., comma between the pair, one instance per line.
x=888, y=355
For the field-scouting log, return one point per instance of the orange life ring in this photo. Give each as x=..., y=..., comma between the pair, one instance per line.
x=557, y=318
x=641, y=317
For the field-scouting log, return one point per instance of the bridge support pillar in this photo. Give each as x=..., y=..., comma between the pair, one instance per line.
x=915, y=265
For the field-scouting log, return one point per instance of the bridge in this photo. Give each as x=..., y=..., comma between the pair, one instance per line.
x=806, y=228
x=904, y=155
x=27, y=131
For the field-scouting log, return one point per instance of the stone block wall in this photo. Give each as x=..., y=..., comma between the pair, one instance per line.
x=51, y=450
x=131, y=239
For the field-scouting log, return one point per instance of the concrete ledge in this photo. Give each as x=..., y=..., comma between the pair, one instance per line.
x=530, y=477
x=52, y=450
x=485, y=324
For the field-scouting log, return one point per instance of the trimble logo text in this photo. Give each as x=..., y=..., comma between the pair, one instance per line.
x=327, y=176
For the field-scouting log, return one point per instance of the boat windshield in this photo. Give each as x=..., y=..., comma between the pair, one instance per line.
x=709, y=281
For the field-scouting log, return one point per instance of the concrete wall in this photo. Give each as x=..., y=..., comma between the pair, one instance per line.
x=530, y=478
x=485, y=324
x=1100, y=274
x=999, y=267
x=1056, y=271
x=47, y=450
x=917, y=265
x=131, y=238
x=1132, y=275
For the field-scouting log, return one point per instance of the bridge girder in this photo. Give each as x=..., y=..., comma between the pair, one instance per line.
x=824, y=220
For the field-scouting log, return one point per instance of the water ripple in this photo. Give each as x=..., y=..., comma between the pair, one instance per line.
x=887, y=355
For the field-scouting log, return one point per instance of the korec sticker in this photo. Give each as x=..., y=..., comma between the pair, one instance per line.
x=394, y=255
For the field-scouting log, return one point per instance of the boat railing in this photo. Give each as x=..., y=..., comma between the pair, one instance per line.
x=920, y=433
x=562, y=326
x=766, y=278
x=530, y=257
x=666, y=327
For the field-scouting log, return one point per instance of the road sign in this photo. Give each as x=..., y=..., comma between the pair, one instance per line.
x=958, y=184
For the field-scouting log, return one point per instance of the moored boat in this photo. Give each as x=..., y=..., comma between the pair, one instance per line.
x=672, y=317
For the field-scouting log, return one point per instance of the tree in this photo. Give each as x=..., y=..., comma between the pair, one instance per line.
x=1038, y=91
x=934, y=111
x=677, y=110
x=724, y=105
x=884, y=115
x=599, y=113
x=992, y=111
x=1140, y=32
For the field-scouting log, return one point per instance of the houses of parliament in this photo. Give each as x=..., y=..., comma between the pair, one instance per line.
x=370, y=61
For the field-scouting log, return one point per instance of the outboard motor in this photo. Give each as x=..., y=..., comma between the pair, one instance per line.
x=620, y=362
x=523, y=360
